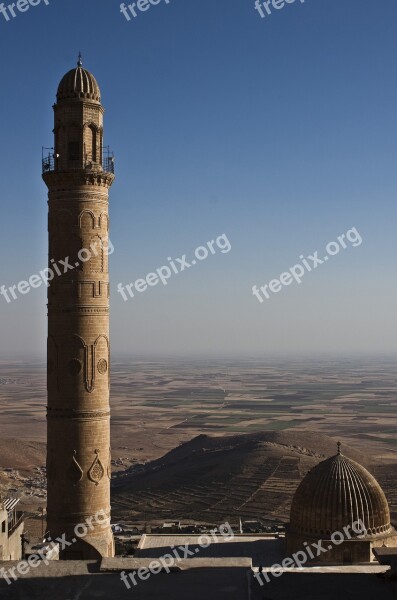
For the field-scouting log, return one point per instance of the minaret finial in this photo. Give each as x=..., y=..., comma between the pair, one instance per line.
x=339, y=447
x=80, y=60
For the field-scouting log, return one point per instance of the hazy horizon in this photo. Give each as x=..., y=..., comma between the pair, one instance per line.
x=287, y=357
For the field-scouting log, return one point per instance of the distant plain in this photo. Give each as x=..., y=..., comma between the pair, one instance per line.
x=158, y=405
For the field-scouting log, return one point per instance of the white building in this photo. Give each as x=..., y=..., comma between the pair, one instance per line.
x=11, y=530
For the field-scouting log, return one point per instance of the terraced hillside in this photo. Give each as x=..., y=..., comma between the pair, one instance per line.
x=215, y=478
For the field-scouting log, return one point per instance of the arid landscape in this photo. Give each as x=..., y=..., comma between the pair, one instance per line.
x=210, y=440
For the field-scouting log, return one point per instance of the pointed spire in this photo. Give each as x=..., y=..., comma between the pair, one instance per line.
x=80, y=60
x=339, y=447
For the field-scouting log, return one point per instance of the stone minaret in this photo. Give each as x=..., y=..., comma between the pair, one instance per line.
x=78, y=176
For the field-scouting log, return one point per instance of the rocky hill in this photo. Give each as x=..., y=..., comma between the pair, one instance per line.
x=210, y=478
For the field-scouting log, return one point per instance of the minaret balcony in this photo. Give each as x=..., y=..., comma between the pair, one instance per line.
x=52, y=162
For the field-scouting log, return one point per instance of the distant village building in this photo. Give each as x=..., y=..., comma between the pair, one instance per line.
x=11, y=530
x=339, y=493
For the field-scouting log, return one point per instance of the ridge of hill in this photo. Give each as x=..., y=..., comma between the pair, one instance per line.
x=212, y=478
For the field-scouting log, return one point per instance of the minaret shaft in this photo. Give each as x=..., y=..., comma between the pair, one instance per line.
x=78, y=429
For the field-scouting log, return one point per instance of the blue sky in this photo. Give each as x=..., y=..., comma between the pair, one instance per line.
x=279, y=132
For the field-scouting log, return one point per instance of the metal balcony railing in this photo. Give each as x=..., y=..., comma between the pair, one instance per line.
x=47, y=160
x=51, y=162
x=15, y=523
x=108, y=163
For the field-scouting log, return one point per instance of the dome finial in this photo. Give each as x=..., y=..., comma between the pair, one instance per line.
x=339, y=447
x=80, y=60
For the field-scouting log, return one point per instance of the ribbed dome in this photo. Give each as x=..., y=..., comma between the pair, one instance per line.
x=337, y=493
x=79, y=83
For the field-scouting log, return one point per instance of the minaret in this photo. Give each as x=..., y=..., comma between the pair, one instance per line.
x=78, y=175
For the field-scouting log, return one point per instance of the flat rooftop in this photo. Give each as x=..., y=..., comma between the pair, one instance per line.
x=86, y=580
x=229, y=579
x=262, y=550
